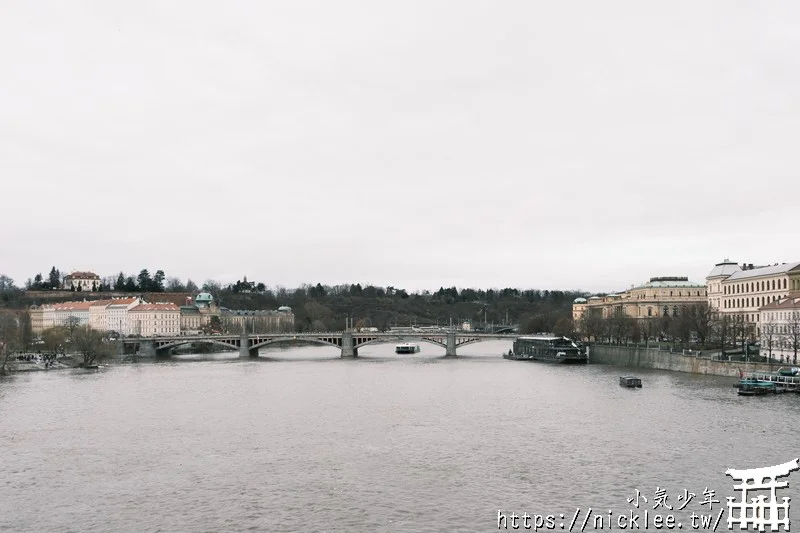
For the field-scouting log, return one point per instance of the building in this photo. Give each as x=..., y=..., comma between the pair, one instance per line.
x=236, y=321
x=97, y=314
x=71, y=314
x=191, y=319
x=117, y=314
x=81, y=281
x=154, y=320
x=578, y=308
x=779, y=329
x=742, y=290
x=661, y=296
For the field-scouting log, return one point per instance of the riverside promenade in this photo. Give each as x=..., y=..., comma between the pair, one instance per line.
x=631, y=356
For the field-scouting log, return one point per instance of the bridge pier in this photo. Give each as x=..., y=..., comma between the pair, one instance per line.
x=450, y=349
x=244, y=347
x=348, y=351
x=147, y=348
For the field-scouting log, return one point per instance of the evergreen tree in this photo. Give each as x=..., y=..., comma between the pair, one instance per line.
x=54, y=278
x=119, y=285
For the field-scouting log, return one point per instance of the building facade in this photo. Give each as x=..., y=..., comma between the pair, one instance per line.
x=661, y=296
x=117, y=314
x=742, y=291
x=236, y=321
x=83, y=281
x=779, y=329
x=154, y=320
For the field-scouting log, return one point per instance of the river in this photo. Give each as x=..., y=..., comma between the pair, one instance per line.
x=300, y=440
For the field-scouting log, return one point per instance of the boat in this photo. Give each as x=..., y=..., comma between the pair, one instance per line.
x=789, y=371
x=630, y=382
x=546, y=348
x=755, y=387
x=407, y=347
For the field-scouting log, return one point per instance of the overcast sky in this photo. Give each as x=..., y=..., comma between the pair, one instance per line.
x=571, y=145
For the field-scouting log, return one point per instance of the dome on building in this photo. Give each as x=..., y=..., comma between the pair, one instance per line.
x=670, y=282
x=724, y=269
x=579, y=301
x=203, y=299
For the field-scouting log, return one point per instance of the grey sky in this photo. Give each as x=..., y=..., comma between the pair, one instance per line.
x=580, y=145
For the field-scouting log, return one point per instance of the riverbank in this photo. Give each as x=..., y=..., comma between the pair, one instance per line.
x=676, y=362
x=36, y=365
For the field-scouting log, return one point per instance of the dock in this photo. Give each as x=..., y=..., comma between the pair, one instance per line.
x=782, y=383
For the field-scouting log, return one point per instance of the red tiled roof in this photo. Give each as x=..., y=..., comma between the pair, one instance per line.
x=792, y=302
x=155, y=307
x=82, y=275
x=72, y=306
x=123, y=301
x=100, y=302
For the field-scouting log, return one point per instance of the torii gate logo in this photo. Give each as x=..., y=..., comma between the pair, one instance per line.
x=760, y=512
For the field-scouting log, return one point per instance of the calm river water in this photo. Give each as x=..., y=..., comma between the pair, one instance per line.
x=299, y=440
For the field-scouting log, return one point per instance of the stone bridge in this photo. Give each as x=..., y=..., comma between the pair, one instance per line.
x=349, y=343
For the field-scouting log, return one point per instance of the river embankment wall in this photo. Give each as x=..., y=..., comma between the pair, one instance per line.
x=676, y=362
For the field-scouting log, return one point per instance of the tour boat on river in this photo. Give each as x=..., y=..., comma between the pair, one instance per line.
x=407, y=347
x=547, y=348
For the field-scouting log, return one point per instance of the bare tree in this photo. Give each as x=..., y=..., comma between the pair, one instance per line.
x=54, y=339
x=722, y=327
x=10, y=339
x=72, y=323
x=769, y=337
x=700, y=319
x=591, y=325
x=175, y=285
x=792, y=335
x=91, y=344
x=563, y=327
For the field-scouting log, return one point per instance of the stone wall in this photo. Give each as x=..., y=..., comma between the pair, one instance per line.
x=664, y=360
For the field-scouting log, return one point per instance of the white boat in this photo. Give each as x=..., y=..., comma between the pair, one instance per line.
x=407, y=347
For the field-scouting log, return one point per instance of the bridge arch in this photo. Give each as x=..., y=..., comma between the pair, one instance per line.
x=318, y=341
x=175, y=344
x=384, y=340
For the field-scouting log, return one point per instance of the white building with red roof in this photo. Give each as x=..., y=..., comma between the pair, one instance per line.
x=155, y=320
x=83, y=281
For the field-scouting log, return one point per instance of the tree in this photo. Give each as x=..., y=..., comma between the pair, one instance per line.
x=792, y=335
x=212, y=287
x=92, y=344
x=722, y=328
x=119, y=285
x=175, y=285
x=145, y=282
x=54, y=278
x=9, y=338
x=564, y=327
x=191, y=286
x=54, y=339
x=6, y=283
x=591, y=325
x=37, y=284
x=701, y=320
x=158, y=282
x=130, y=284
x=72, y=323
x=769, y=337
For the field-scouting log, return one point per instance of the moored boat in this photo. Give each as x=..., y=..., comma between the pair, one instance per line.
x=630, y=382
x=755, y=387
x=546, y=348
